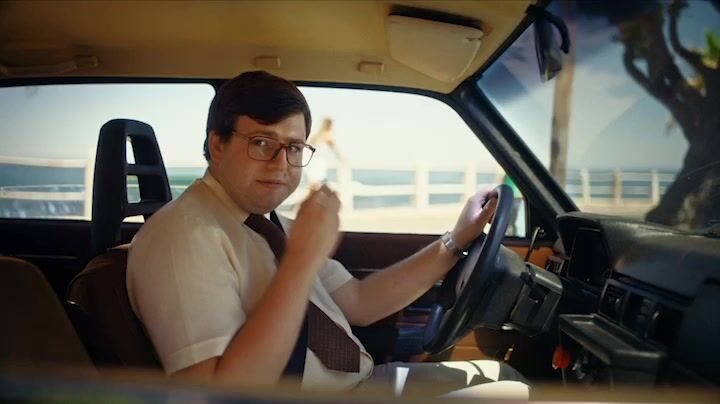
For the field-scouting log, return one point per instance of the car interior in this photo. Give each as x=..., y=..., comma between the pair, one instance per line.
x=579, y=301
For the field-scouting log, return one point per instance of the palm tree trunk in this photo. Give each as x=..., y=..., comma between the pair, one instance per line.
x=562, y=109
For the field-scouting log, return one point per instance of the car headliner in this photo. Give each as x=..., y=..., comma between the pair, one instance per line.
x=315, y=41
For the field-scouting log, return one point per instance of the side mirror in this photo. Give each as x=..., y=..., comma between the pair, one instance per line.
x=546, y=47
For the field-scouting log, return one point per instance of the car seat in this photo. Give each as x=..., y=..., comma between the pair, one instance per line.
x=98, y=296
x=36, y=329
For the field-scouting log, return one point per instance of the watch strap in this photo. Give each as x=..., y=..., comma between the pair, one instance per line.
x=449, y=243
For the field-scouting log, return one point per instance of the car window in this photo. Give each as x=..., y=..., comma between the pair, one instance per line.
x=401, y=163
x=630, y=126
x=48, y=137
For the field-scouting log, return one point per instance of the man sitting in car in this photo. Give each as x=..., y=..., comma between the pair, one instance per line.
x=222, y=293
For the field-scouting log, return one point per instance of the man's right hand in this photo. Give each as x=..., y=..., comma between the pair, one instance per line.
x=315, y=231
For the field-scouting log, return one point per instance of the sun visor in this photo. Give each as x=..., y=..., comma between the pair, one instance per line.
x=440, y=50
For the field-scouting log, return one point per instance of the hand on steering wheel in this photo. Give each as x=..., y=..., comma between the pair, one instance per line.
x=465, y=284
x=475, y=215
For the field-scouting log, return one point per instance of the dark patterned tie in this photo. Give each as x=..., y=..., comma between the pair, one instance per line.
x=328, y=341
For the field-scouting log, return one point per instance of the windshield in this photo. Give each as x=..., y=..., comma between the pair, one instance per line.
x=630, y=126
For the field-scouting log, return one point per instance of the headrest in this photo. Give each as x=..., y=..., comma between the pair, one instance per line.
x=110, y=204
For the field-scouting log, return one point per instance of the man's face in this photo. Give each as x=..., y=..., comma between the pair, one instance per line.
x=257, y=186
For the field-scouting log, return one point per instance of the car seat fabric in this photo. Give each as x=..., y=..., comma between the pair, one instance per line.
x=100, y=289
x=36, y=329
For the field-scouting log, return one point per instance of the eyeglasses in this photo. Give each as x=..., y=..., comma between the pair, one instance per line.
x=263, y=148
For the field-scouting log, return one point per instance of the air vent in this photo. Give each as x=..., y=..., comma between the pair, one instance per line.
x=612, y=301
x=638, y=313
x=665, y=325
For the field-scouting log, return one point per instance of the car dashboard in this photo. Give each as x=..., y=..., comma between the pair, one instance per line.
x=654, y=320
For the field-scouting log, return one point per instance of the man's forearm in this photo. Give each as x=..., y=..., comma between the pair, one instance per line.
x=259, y=351
x=390, y=290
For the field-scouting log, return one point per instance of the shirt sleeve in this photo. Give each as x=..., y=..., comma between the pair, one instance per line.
x=185, y=291
x=333, y=275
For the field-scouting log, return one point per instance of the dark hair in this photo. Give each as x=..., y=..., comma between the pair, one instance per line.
x=259, y=95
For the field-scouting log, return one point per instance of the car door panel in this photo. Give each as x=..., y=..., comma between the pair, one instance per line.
x=60, y=248
x=57, y=247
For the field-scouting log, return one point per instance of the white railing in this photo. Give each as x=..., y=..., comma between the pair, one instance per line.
x=35, y=193
x=616, y=191
x=419, y=191
x=42, y=162
x=594, y=191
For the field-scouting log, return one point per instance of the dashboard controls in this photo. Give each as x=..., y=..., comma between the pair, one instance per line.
x=561, y=358
x=607, y=351
x=555, y=264
x=638, y=313
x=535, y=308
x=664, y=325
x=641, y=312
x=612, y=301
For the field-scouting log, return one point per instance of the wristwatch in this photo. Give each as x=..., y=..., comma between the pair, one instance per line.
x=449, y=243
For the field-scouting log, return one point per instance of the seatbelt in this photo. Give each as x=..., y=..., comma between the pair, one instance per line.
x=296, y=363
x=328, y=340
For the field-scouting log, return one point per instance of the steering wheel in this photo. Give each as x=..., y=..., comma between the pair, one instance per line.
x=463, y=288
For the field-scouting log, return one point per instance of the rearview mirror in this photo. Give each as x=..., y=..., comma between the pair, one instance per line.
x=546, y=48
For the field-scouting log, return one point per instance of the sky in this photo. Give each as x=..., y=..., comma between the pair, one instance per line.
x=614, y=124
x=371, y=127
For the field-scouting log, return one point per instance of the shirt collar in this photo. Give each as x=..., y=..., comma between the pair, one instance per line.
x=223, y=196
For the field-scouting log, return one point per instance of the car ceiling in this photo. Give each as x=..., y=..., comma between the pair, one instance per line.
x=320, y=41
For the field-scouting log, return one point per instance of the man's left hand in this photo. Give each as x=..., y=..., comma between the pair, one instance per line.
x=477, y=212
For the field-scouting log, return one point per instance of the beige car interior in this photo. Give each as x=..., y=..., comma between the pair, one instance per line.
x=423, y=45
x=363, y=42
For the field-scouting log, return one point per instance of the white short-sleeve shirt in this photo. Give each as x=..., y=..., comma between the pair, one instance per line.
x=195, y=270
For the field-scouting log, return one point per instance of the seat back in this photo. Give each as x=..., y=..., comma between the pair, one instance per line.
x=115, y=335
x=36, y=330
x=98, y=295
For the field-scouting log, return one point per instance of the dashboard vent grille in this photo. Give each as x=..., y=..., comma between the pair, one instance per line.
x=612, y=301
